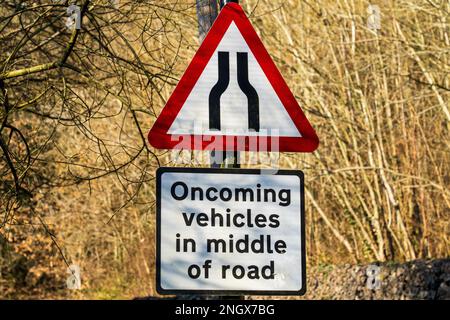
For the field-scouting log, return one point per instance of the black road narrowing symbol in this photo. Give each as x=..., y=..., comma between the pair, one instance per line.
x=222, y=85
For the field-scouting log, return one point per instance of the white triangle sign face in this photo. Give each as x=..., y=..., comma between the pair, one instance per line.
x=233, y=102
x=232, y=97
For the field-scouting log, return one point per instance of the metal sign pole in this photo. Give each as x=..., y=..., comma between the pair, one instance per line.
x=207, y=12
x=225, y=159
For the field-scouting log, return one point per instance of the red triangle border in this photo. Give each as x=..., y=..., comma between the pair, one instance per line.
x=161, y=139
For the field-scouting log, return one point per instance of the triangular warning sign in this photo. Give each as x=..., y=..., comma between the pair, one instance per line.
x=232, y=97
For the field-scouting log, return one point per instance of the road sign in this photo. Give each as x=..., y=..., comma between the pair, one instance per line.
x=232, y=97
x=228, y=231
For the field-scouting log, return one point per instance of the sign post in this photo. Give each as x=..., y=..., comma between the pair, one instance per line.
x=207, y=13
x=223, y=230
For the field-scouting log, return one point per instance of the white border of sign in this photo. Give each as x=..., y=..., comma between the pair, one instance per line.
x=302, y=269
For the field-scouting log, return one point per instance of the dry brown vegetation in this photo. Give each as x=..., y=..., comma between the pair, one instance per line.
x=78, y=183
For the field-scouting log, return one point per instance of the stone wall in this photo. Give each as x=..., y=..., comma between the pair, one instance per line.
x=420, y=279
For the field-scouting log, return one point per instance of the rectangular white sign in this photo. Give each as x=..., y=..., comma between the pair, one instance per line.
x=230, y=231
